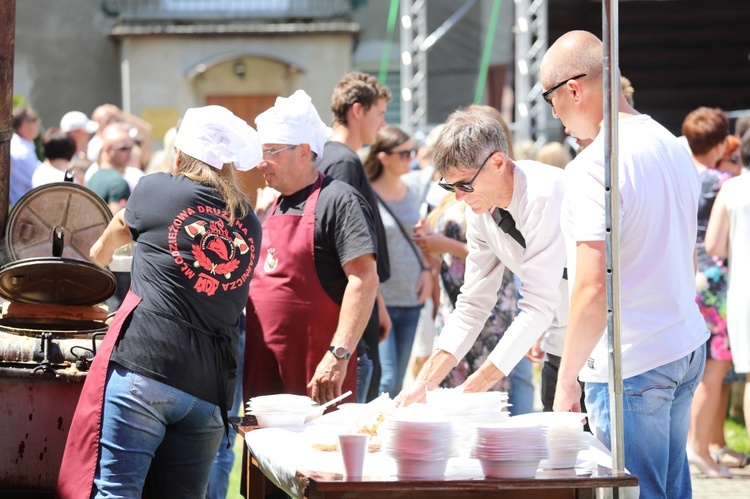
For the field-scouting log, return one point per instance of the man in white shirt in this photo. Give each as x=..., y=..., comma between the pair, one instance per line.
x=513, y=222
x=663, y=334
x=23, y=158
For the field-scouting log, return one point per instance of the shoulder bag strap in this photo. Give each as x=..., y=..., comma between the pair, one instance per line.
x=403, y=231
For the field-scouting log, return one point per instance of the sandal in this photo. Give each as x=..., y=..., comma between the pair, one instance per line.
x=730, y=458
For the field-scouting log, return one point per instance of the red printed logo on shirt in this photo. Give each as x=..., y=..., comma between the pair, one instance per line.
x=216, y=249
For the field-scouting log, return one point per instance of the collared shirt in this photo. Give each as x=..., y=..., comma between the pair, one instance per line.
x=23, y=163
x=535, y=206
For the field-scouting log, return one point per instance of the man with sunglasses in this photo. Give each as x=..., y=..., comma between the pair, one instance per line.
x=663, y=334
x=512, y=220
x=108, y=180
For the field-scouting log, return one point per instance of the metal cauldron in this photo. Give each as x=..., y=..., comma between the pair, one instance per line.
x=43, y=358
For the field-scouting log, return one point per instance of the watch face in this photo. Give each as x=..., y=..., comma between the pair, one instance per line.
x=340, y=352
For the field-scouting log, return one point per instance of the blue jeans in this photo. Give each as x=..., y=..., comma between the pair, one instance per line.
x=150, y=426
x=396, y=349
x=656, y=415
x=521, y=396
x=219, y=480
x=364, y=376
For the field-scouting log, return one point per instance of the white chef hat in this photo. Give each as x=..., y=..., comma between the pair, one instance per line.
x=215, y=136
x=293, y=120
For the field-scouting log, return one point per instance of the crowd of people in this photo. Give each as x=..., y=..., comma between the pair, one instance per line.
x=464, y=255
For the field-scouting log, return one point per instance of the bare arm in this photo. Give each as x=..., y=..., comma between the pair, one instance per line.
x=717, y=232
x=384, y=319
x=356, y=308
x=436, y=243
x=115, y=235
x=437, y=366
x=483, y=378
x=586, y=322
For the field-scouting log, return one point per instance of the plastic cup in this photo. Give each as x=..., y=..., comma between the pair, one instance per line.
x=353, y=450
x=122, y=259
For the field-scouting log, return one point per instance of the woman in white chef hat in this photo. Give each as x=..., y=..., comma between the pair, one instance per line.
x=155, y=398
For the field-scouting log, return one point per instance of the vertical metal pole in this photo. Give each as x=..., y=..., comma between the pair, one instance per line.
x=611, y=79
x=531, y=43
x=407, y=40
x=7, y=48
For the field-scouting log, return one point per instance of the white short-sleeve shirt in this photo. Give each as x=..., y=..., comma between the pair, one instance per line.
x=658, y=190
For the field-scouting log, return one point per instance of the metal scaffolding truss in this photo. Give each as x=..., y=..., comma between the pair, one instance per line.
x=414, y=45
x=531, y=44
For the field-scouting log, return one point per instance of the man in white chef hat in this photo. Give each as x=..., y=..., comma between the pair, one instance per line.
x=316, y=281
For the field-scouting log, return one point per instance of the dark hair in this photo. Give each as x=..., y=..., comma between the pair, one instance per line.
x=356, y=87
x=388, y=138
x=57, y=144
x=704, y=128
x=20, y=114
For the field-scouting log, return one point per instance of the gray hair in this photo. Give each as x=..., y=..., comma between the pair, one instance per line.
x=468, y=138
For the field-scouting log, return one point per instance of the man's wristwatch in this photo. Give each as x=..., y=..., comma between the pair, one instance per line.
x=340, y=352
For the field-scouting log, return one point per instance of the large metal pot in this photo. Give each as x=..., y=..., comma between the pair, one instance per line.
x=44, y=359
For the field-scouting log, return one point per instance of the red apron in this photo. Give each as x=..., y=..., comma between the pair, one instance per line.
x=290, y=318
x=76, y=477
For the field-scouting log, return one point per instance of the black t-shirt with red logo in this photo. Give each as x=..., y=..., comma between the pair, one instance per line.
x=192, y=270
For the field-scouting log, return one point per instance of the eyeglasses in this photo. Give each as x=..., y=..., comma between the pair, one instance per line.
x=547, y=93
x=464, y=186
x=410, y=154
x=270, y=153
x=123, y=149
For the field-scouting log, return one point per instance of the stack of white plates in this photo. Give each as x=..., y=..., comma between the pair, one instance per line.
x=510, y=450
x=468, y=411
x=421, y=448
x=280, y=410
x=565, y=436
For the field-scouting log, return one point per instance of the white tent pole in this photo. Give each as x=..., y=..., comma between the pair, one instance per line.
x=611, y=77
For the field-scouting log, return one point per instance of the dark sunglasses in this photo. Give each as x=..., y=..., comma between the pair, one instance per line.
x=411, y=153
x=464, y=186
x=547, y=93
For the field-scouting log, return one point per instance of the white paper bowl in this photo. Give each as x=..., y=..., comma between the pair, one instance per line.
x=559, y=460
x=280, y=419
x=409, y=468
x=509, y=469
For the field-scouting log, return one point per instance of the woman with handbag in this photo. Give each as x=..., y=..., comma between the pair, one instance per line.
x=410, y=284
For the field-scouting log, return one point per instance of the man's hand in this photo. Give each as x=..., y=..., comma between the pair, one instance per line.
x=417, y=392
x=567, y=396
x=536, y=353
x=328, y=378
x=437, y=366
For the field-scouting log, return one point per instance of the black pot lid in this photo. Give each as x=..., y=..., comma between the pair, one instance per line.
x=56, y=280
x=78, y=211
